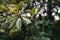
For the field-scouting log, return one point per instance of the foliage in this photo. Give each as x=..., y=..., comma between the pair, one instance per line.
x=27, y=20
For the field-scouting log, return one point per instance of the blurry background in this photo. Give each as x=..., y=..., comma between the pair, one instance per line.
x=29, y=19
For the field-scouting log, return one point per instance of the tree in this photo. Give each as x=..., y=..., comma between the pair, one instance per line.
x=29, y=19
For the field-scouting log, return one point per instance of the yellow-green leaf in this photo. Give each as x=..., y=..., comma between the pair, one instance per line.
x=32, y=11
x=12, y=9
x=19, y=5
x=11, y=1
x=11, y=31
x=1, y=7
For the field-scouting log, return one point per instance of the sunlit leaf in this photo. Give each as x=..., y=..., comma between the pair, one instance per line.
x=18, y=24
x=41, y=11
x=8, y=18
x=26, y=20
x=12, y=9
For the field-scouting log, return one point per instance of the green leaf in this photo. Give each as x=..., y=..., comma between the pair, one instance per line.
x=18, y=24
x=12, y=23
x=26, y=20
x=11, y=31
x=2, y=30
x=26, y=1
